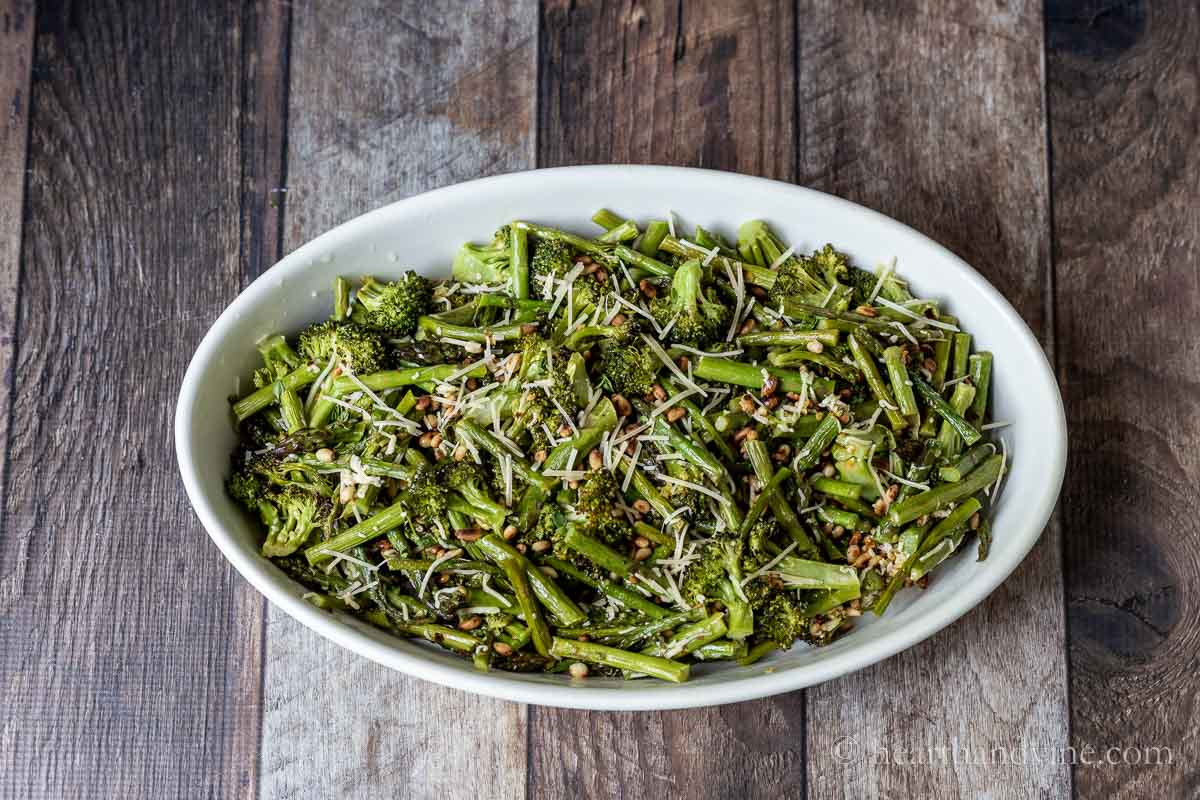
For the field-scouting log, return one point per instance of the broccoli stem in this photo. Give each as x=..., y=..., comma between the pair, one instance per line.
x=623, y=595
x=638, y=663
x=382, y=381
x=948, y=439
x=966, y=430
x=799, y=355
x=517, y=569
x=628, y=636
x=941, y=496
x=549, y=594
x=486, y=441
x=835, y=516
x=607, y=219
x=876, y=325
x=433, y=326
x=696, y=415
x=967, y=462
x=580, y=338
x=785, y=515
x=866, y=364
x=627, y=231
x=806, y=574
x=642, y=261
x=656, y=231
x=341, y=298
x=759, y=506
x=980, y=368
x=893, y=359
x=439, y=634
x=759, y=276
x=958, y=517
x=722, y=650
x=690, y=448
x=809, y=455
x=607, y=253
x=788, y=338
x=690, y=637
x=756, y=653
x=371, y=528
x=962, y=355
x=836, y=488
x=259, y=399
x=291, y=408
x=597, y=552
x=724, y=370
x=421, y=565
x=518, y=263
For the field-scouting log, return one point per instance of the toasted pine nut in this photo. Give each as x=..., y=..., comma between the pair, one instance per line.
x=502, y=648
x=324, y=455
x=675, y=414
x=470, y=623
x=814, y=346
x=643, y=553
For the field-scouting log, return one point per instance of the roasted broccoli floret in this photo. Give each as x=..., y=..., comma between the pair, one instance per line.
x=278, y=360
x=393, y=307
x=627, y=369
x=362, y=350
x=297, y=514
x=694, y=316
x=780, y=620
x=551, y=257
x=816, y=280
x=596, y=504
x=718, y=575
x=862, y=283
x=484, y=263
x=471, y=484
x=588, y=335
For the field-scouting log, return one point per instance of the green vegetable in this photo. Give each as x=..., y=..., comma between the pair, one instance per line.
x=566, y=452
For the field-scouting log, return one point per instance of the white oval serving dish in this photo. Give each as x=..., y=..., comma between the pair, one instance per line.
x=423, y=232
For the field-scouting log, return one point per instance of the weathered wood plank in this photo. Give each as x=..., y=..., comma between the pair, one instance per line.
x=265, y=37
x=1126, y=153
x=700, y=84
x=16, y=62
x=932, y=112
x=418, y=96
x=119, y=648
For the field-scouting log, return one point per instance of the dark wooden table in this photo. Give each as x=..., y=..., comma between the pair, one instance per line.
x=157, y=156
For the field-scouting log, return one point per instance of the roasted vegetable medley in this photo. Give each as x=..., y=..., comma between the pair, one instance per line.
x=620, y=453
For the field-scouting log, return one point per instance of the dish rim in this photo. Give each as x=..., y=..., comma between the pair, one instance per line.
x=265, y=578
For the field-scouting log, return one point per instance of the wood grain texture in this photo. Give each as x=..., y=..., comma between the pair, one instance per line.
x=699, y=84
x=266, y=40
x=703, y=84
x=119, y=649
x=418, y=96
x=16, y=62
x=1124, y=95
x=932, y=112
